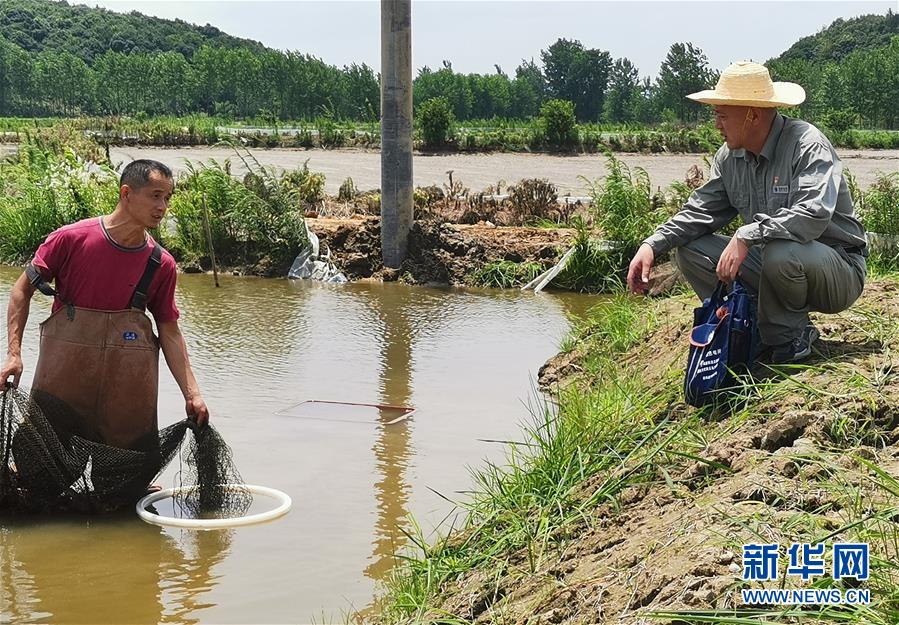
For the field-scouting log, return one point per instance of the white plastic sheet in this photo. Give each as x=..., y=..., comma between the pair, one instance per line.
x=311, y=265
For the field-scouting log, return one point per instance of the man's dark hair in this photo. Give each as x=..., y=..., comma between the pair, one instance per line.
x=137, y=173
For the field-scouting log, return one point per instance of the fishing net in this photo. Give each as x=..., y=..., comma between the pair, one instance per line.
x=44, y=468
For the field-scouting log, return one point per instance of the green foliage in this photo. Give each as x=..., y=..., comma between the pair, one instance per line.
x=87, y=33
x=878, y=209
x=46, y=189
x=594, y=266
x=624, y=93
x=506, y=274
x=578, y=75
x=685, y=70
x=879, y=206
x=62, y=60
x=623, y=204
x=258, y=219
x=558, y=124
x=435, y=120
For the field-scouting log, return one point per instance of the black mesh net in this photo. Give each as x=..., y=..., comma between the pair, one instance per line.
x=44, y=469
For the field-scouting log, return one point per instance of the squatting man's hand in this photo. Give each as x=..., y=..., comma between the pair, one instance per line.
x=731, y=259
x=640, y=269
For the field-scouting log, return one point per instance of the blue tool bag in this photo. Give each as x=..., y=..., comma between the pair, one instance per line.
x=722, y=342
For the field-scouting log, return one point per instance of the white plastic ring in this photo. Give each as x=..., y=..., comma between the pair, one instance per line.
x=283, y=499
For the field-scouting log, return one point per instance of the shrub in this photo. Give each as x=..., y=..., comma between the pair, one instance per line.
x=258, y=218
x=839, y=121
x=534, y=197
x=435, y=120
x=558, y=123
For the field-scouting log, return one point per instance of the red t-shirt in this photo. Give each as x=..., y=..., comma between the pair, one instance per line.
x=91, y=270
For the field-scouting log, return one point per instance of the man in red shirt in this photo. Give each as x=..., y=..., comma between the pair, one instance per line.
x=98, y=351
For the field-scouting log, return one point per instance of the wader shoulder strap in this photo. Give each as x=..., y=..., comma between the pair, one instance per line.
x=139, y=298
x=37, y=280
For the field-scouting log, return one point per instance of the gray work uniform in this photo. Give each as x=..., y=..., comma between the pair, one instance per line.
x=807, y=248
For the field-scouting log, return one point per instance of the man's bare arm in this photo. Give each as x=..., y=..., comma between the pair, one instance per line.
x=174, y=348
x=16, y=318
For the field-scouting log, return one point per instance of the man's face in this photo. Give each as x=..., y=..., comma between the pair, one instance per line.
x=149, y=203
x=733, y=122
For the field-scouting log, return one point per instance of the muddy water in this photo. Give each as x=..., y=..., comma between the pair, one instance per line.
x=465, y=359
x=477, y=171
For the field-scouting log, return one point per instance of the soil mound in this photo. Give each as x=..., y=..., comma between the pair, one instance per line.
x=438, y=252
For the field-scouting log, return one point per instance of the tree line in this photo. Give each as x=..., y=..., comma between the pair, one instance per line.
x=241, y=82
x=861, y=90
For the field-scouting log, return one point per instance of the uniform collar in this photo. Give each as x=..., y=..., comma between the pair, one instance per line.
x=773, y=137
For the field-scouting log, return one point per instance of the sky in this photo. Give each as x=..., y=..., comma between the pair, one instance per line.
x=476, y=35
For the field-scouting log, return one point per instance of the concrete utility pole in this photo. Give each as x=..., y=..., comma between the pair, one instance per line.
x=396, y=129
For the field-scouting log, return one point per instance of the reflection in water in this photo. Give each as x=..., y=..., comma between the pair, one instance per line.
x=392, y=445
x=185, y=581
x=114, y=569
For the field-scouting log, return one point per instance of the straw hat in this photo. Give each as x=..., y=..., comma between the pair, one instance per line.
x=745, y=83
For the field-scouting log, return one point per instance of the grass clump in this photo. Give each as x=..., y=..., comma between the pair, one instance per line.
x=506, y=274
x=595, y=265
x=878, y=209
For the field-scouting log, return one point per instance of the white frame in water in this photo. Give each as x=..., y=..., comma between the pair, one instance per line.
x=211, y=524
x=407, y=411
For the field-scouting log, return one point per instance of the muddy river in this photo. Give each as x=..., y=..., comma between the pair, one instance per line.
x=465, y=359
x=477, y=171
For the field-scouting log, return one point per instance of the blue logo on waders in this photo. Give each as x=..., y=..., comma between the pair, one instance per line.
x=130, y=336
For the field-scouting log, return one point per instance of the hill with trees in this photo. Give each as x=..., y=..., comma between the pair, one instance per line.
x=843, y=37
x=87, y=33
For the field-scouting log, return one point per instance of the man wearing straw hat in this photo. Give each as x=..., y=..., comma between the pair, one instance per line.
x=801, y=247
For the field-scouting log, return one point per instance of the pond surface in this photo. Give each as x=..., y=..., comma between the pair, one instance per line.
x=267, y=353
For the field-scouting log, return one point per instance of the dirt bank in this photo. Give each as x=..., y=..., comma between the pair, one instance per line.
x=441, y=253
x=674, y=544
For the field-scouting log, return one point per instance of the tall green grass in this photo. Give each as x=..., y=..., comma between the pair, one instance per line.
x=878, y=209
x=257, y=221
